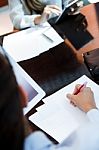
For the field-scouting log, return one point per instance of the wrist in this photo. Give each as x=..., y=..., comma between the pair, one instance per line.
x=37, y=20
x=89, y=107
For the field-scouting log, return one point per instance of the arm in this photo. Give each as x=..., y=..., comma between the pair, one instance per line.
x=17, y=15
x=21, y=18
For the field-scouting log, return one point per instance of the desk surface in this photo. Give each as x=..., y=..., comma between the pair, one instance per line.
x=55, y=68
x=63, y=64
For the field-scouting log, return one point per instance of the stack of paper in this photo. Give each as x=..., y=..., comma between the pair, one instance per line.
x=31, y=42
x=57, y=116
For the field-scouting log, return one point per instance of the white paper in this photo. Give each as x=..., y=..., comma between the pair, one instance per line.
x=57, y=115
x=58, y=125
x=31, y=42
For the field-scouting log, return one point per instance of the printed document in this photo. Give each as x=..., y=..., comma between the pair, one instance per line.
x=57, y=116
x=31, y=42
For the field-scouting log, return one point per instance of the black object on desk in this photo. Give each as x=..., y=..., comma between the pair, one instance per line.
x=71, y=8
x=74, y=28
x=55, y=68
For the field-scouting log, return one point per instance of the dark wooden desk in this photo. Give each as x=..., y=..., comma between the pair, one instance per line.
x=62, y=64
x=55, y=68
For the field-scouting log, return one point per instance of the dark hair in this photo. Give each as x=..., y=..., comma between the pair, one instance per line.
x=11, y=115
x=35, y=5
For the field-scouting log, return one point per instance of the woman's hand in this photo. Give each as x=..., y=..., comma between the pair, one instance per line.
x=48, y=11
x=84, y=99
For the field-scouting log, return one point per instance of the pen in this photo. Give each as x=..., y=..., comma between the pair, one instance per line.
x=48, y=38
x=83, y=85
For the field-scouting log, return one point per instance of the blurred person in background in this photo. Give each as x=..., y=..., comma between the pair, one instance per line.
x=27, y=13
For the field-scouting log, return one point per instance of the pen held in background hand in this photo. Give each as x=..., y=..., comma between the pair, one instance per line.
x=82, y=86
x=48, y=38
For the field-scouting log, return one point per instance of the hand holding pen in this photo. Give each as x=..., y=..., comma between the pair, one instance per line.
x=79, y=88
x=82, y=97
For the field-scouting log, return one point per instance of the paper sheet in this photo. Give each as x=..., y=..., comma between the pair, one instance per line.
x=58, y=125
x=31, y=42
x=57, y=115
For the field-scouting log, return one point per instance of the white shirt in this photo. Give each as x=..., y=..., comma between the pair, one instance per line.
x=85, y=138
x=21, y=17
x=20, y=14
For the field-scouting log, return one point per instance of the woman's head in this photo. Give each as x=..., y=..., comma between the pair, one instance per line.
x=11, y=116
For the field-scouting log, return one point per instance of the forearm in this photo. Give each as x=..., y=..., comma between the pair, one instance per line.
x=19, y=17
x=25, y=21
x=20, y=22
